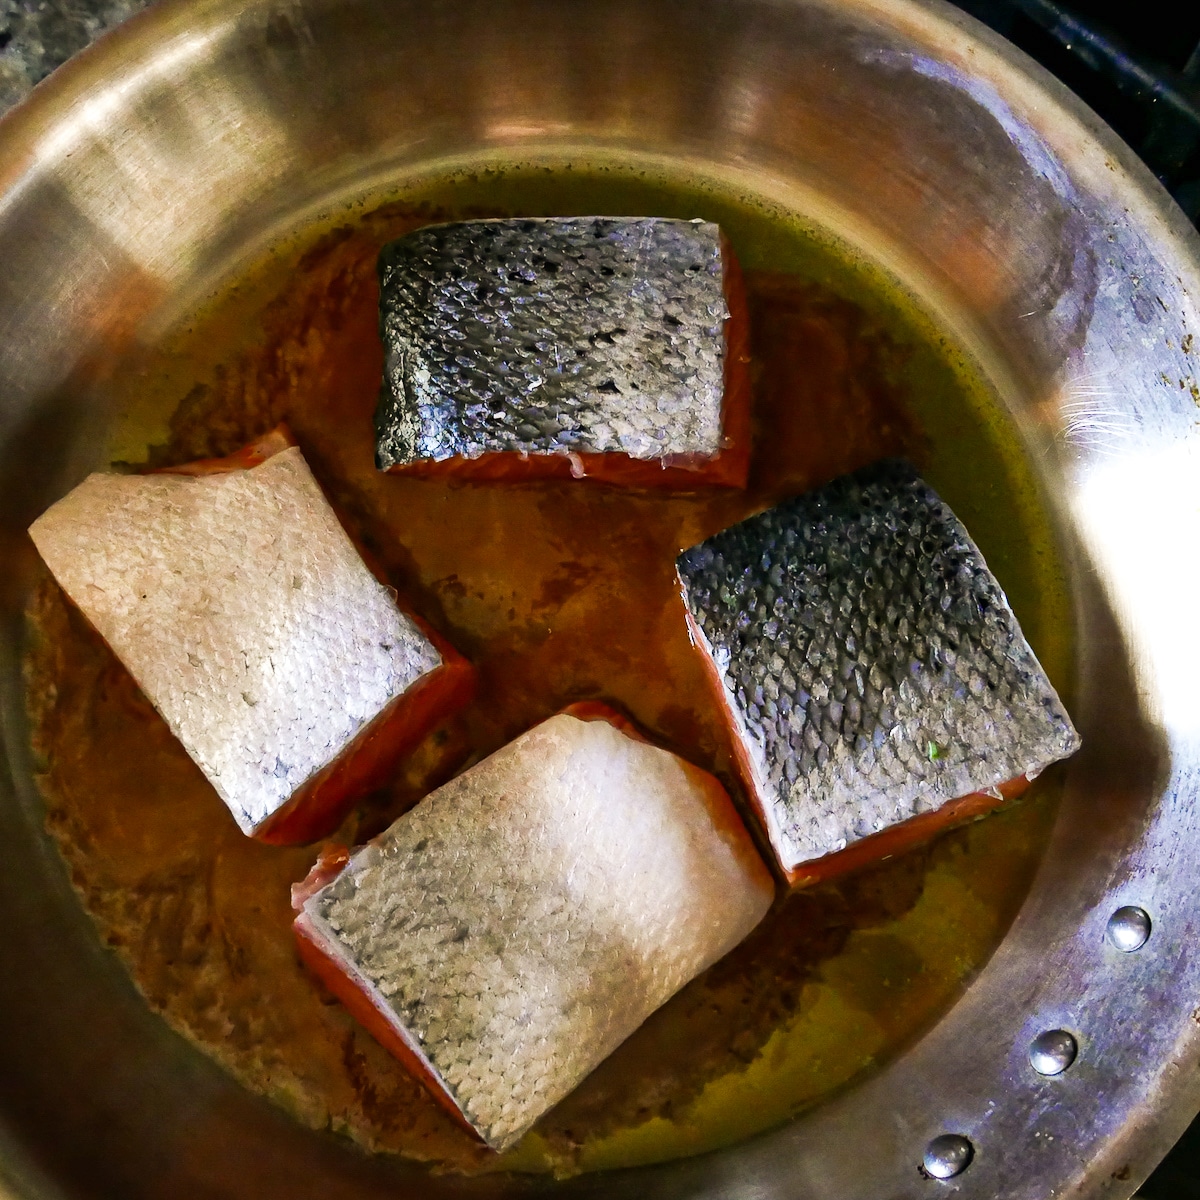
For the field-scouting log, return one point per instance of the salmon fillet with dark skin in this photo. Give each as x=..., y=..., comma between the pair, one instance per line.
x=614, y=349
x=232, y=594
x=507, y=934
x=877, y=684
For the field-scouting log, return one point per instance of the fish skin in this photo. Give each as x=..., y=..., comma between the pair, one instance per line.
x=552, y=336
x=869, y=662
x=520, y=923
x=246, y=615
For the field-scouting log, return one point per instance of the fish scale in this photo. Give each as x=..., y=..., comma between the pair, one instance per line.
x=246, y=615
x=868, y=660
x=526, y=917
x=552, y=336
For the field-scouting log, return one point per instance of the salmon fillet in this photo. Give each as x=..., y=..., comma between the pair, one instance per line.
x=875, y=679
x=507, y=934
x=611, y=348
x=240, y=606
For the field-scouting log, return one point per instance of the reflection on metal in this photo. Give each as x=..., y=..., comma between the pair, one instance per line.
x=1129, y=928
x=1053, y=1052
x=1165, y=468
x=947, y=1156
x=239, y=140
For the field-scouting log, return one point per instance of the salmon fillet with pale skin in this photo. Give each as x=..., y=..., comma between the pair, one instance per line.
x=237, y=601
x=875, y=679
x=612, y=348
x=507, y=934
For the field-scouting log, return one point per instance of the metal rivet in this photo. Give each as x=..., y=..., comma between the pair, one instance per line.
x=1053, y=1052
x=1129, y=928
x=948, y=1155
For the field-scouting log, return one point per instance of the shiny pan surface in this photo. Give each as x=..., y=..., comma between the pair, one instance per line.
x=152, y=163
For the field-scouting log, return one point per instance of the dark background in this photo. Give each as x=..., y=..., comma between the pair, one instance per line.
x=1136, y=62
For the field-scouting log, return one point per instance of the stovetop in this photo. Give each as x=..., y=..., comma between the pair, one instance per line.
x=1136, y=64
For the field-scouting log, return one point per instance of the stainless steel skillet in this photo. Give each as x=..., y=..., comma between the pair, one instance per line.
x=144, y=168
